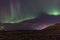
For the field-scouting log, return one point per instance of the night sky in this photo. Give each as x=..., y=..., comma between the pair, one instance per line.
x=16, y=11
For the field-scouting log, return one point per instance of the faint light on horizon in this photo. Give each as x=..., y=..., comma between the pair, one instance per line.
x=43, y=26
x=54, y=13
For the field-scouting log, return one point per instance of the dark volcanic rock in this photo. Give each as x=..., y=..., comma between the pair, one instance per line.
x=51, y=30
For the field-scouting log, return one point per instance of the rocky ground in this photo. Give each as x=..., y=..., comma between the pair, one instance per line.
x=49, y=33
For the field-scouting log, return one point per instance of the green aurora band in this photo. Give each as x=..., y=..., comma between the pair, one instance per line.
x=16, y=16
x=17, y=21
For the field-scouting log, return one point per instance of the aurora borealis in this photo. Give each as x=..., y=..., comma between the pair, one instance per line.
x=14, y=11
x=17, y=11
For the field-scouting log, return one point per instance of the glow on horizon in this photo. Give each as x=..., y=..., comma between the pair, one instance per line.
x=54, y=13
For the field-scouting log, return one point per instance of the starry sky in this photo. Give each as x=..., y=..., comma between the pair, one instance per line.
x=14, y=11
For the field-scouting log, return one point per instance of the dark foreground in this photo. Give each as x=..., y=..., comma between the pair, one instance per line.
x=50, y=33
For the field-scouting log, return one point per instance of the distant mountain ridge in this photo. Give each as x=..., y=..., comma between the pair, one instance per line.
x=52, y=30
